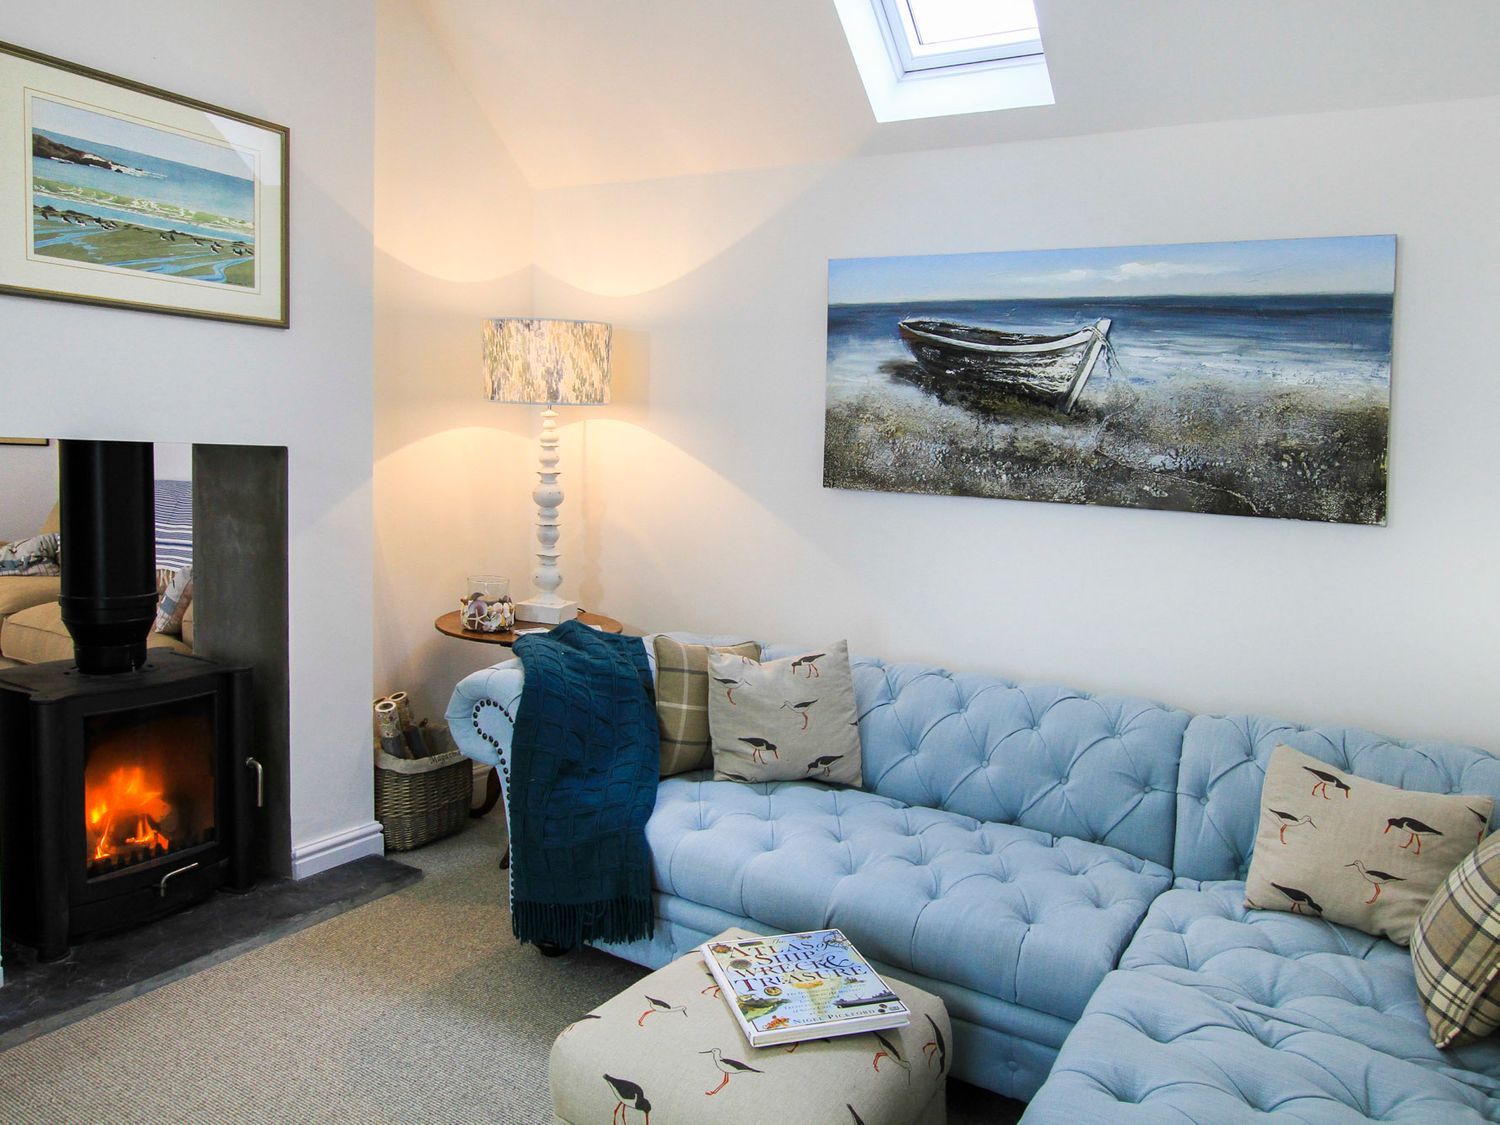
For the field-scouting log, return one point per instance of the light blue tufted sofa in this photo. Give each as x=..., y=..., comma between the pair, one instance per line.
x=1061, y=868
x=1222, y=1014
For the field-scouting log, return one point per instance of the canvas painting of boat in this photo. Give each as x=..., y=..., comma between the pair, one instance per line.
x=1243, y=378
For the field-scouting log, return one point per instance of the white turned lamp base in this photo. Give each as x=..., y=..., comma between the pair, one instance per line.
x=545, y=612
x=544, y=606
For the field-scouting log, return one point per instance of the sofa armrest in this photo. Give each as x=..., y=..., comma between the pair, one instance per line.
x=482, y=713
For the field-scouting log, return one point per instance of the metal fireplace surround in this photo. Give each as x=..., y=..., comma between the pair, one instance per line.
x=126, y=785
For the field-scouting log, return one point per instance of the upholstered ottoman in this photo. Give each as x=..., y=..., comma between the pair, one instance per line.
x=668, y=1051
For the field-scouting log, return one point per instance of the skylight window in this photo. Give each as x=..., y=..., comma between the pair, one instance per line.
x=948, y=21
x=934, y=58
x=934, y=33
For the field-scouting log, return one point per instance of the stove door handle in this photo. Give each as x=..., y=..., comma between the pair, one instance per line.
x=161, y=888
x=260, y=781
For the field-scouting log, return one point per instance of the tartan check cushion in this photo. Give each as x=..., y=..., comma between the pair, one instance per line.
x=1455, y=950
x=682, y=701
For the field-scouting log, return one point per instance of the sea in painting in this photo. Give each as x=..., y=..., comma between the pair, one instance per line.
x=1247, y=378
x=122, y=194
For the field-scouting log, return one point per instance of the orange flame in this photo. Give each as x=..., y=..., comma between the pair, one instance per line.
x=126, y=797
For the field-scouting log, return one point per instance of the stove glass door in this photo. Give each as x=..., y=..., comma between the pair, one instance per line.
x=149, y=786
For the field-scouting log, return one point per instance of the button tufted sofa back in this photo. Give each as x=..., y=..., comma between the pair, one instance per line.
x=1224, y=761
x=1063, y=762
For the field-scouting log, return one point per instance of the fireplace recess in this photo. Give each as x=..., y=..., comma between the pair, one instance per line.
x=127, y=788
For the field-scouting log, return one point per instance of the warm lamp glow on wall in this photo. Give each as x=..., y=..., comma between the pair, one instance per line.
x=547, y=363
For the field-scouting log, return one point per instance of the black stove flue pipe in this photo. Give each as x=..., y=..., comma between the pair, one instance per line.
x=108, y=499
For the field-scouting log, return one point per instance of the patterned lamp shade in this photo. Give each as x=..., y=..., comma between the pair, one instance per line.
x=546, y=362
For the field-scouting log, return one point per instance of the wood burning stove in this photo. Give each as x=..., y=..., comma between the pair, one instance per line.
x=122, y=797
x=127, y=787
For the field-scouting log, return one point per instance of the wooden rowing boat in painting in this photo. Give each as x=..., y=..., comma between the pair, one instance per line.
x=1051, y=369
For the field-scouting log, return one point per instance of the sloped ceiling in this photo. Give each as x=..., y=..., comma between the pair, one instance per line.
x=599, y=91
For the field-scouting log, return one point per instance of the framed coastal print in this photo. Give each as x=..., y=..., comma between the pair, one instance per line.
x=1222, y=378
x=115, y=193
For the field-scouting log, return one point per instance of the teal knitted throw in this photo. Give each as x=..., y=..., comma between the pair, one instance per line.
x=584, y=769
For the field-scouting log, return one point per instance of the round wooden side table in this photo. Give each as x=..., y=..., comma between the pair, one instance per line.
x=451, y=625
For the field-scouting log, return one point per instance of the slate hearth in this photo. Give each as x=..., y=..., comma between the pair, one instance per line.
x=40, y=997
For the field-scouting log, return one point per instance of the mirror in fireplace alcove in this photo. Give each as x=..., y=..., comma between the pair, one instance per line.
x=28, y=486
x=31, y=628
x=29, y=564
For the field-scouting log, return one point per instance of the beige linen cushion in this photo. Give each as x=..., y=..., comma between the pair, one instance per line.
x=22, y=591
x=788, y=719
x=38, y=635
x=1337, y=846
x=682, y=701
x=1455, y=950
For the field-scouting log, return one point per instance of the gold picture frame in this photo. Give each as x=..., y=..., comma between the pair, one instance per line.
x=120, y=194
x=25, y=441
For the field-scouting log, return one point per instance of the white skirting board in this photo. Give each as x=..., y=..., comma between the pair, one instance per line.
x=339, y=848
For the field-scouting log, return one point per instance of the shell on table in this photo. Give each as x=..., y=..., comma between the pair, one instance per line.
x=482, y=616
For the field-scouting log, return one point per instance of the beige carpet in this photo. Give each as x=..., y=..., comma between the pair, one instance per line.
x=418, y=1007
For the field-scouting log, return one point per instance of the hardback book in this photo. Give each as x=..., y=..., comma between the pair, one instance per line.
x=792, y=987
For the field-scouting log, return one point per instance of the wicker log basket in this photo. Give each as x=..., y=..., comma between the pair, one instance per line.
x=421, y=800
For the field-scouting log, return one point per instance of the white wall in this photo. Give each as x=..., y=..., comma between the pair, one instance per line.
x=703, y=507
x=172, y=460
x=141, y=376
x=453, y=473
x=28, y=488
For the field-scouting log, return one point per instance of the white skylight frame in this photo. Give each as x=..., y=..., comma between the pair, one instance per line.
x=911, y=53
x=951, y=85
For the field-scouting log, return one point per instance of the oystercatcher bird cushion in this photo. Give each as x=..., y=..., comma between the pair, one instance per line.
x=792, y=719
x=1337, y=846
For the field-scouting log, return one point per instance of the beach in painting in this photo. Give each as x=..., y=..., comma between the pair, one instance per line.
x=120, y=194
x=1217, y=394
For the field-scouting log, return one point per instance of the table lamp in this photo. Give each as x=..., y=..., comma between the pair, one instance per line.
x=547, y=363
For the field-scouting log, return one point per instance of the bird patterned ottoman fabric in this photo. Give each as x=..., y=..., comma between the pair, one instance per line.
x=792, y=719
x=1337, y=846
x=668, y=1051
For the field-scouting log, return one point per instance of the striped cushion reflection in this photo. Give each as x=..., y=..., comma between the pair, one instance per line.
x=174, y=524
x=1455, y=950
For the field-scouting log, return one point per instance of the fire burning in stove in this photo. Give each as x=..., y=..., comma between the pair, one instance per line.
x=148, y=786
x=127, y=811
